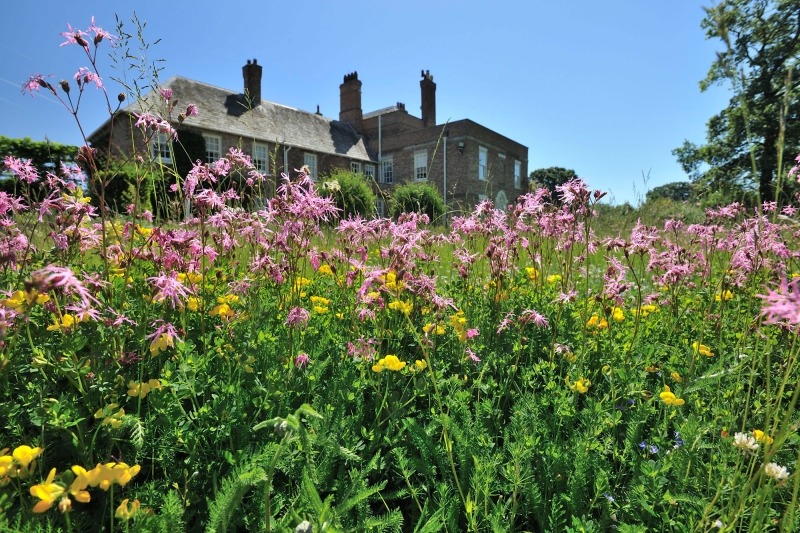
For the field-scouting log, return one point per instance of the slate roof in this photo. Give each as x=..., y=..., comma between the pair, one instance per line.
x=222, y=110
x=383, y=111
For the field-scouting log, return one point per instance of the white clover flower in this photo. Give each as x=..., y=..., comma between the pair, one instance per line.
x=718, y=524
x=776, y=471
x=746, y=443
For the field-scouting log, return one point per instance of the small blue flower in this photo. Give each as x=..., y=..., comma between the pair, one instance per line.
x=643, y=444
x=608, y=496
x=653, y=449
x=678, y=440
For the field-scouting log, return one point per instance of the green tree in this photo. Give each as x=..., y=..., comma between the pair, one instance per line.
x=419, y=197
x=748, y=141
x=678, y=191
x=550, y=178
x=351, y=191
x=44, y=155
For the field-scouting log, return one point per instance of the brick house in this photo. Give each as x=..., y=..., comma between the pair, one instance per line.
x=389, y=146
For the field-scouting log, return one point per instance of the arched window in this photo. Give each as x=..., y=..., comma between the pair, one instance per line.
x=501, y=201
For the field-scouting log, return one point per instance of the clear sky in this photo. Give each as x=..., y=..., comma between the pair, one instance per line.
x=605, y=88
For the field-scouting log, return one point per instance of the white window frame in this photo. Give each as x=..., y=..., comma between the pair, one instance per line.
x=369, y=171
x=213, y=154
x=483, y=163
x=387, y=170
x=421, y=165
x=517, y=174
x=261, y=164
x=380, y=207
x=160, y=149
x=355, y=167
x=310, y=160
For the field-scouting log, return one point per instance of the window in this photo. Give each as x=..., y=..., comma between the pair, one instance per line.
x=160, y=148
x=482, y=155
x=310, y=160
x=261, y=158
x=421, y=165
x=355, y=167
x=369, y=171
x=387, y=169
x=518, y=174
x=213, y=148
x=380, y=208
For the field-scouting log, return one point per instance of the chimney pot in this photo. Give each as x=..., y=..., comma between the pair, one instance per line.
x=252, y=80
x=350, y=101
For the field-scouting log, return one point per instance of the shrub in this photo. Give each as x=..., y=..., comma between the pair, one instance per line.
x=353, y=195
x=418, y=197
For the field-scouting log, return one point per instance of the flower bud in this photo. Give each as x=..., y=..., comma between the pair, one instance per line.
x=81, y=41
x=121, y=97
x=65, y=505
x=98, y=38
x=64, y=86
x=181, y=118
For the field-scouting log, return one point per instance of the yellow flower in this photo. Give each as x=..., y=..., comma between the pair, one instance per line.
x=124, y=512
x=392, y=284
x=193, y=303
x=223, y=310
x=390, y=362
x=677, y=377
x=79, y=484
x=228, y=299
x=555, y=278
x=161, y=344
x=109, y=417
x=593, y=321
x=319, y=300
x=7, y=467
x=420, y=365
x=532, y=273
x=325, y=270
x=669, y=398
x=340, y=316
x=67, y=321
x=192, y=277
x=431, y=328
x=582, y=385
x=724, y=295
x=702, y=348
x=762, y=437
x=47, y=492
x=16, y=301
x=143, y=389
x=617, y=314
x=603, y=324
x=25, y=455
x=403, y=307
x=320, y=309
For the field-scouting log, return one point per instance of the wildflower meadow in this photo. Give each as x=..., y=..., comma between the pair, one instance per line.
x=278, y=367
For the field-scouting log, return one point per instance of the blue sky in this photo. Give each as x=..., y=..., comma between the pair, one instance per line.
x=605, y=88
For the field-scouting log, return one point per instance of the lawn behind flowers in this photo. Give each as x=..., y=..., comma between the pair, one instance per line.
x=286, y=370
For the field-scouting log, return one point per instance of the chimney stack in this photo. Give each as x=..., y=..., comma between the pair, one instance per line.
x=428, y=106
x=252, y=81
x=350, y=101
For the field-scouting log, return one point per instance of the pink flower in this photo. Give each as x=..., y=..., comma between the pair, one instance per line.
x=783, y=303
x=472, y=333
x=301, y=360
x=191, y=110
x=75, y=37
x=530, y=315
x=23, y=168
x=85, y=75
x=35, y=82
x=99, y=35
x=166, y=94
x=53, y=277
x=170, y=288
x=297, y=317
x=472, y=357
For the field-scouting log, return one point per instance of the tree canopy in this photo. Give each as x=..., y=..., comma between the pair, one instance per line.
x=44, y=155
x=551, y=177
x=762, y=47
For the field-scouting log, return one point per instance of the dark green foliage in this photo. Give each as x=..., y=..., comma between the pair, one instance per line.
x=353, y=195
x=762, y=38
x=678, y=191
x=550, y=178
x=44, y=155
x=417, y=198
